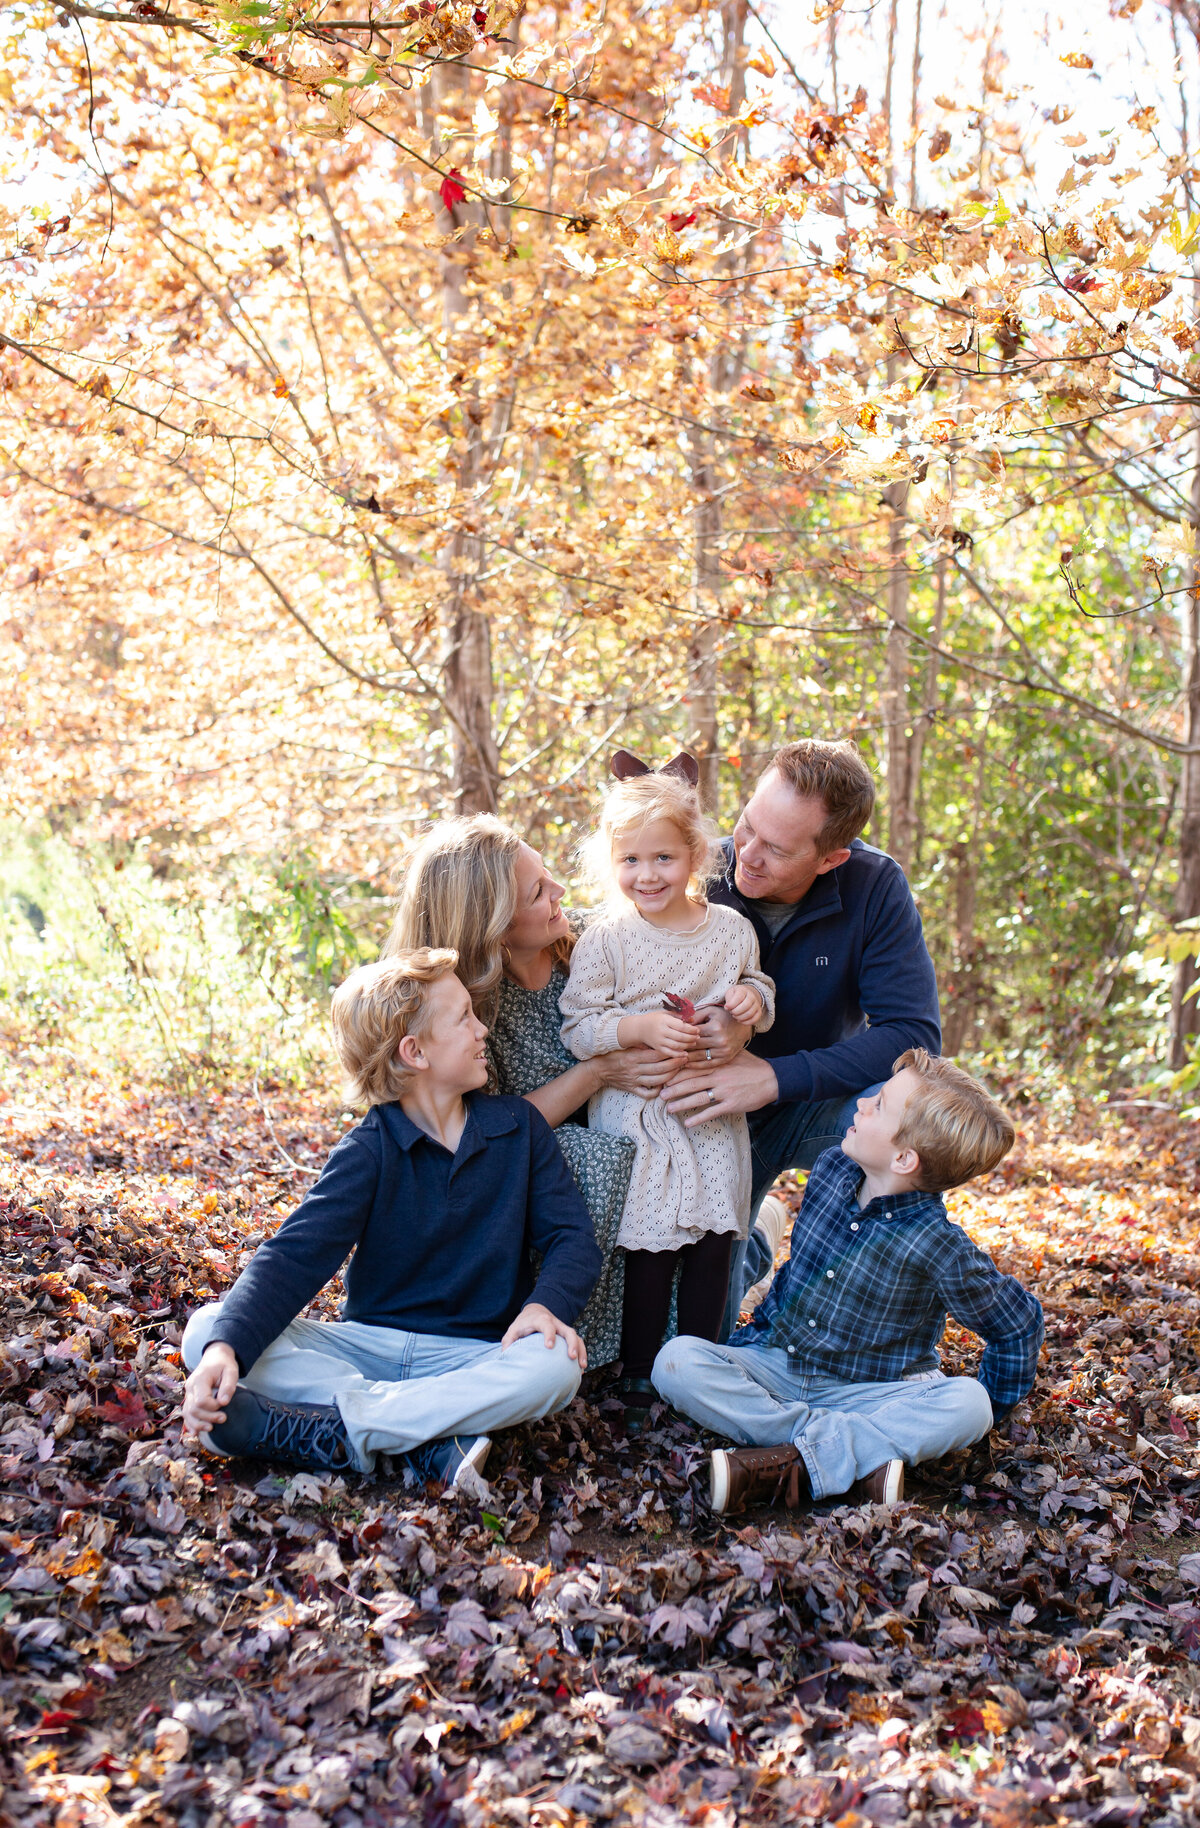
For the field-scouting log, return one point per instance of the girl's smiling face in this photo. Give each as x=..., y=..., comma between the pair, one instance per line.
x=653, y=865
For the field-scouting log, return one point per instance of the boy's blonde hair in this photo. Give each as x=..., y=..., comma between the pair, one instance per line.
x=956, y=1128
x=634, y=803
x=373, y=1011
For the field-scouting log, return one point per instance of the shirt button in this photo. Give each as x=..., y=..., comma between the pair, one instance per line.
x=791, y=1348
x=887, y=1215
x=829, y=1273
x=854, y=1226
x=812, y=1323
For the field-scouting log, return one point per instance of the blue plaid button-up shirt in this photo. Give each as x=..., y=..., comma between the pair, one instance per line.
x=866, y=1294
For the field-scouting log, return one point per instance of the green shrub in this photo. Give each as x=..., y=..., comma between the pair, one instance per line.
x=109, y=959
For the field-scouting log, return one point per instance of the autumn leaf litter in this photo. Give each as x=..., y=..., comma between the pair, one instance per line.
x=581, y=1639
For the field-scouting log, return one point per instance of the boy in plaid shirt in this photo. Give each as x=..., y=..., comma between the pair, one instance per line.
x=836, y=1382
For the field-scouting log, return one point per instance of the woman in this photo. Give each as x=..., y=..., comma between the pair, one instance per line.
x=472, y=884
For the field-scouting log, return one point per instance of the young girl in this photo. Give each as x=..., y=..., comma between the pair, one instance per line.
x=689, y=1192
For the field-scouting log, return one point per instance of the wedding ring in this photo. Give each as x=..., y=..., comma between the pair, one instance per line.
x=708, y=1053
x=712, y=1096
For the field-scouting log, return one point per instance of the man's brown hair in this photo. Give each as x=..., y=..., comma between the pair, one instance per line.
x=956, y=1128
x=835, y=774
x=373, y=1011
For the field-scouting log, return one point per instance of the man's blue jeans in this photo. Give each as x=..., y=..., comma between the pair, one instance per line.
x=781, y=1136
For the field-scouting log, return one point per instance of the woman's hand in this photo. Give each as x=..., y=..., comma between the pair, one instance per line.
x=636, y=1069
x=209, y=1388
x=717, y=1038
x=534, y=1318
x=666, y=1033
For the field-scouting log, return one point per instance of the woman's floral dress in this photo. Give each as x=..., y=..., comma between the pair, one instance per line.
x=525, y=1050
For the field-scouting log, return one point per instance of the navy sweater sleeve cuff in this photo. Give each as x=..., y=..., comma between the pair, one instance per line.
x=564, y=1304
x=793, y=1075
x=237, y=1340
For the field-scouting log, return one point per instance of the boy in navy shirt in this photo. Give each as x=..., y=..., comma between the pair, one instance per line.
x=836, y=1381
x=440, y=1193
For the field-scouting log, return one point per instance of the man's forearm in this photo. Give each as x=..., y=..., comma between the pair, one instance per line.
x=850, y=1066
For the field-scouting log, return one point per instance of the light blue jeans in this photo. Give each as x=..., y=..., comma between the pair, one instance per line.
x=844, y=1431
x=395, y=1390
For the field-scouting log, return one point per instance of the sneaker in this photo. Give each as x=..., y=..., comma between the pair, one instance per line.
x=757, y=1475
x=311, y=1436
x=773, y=1221
x=885, y=1485
x=444, y=1462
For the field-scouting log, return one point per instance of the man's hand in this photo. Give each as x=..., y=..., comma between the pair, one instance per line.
x=536, y=1319
x=210, y=1388
x=717, y=1035
x=746, y=1084
x=636, y=1069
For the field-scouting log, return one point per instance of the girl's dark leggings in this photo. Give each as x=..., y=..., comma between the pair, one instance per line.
x=703, y=1284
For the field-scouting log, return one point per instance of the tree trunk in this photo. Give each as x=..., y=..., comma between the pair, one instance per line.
x=914, y=111
x=702, y=648
x=890, y=167
x=964, y=987
x=707, y=530
x=926, y=715
x=902, y=771
x=1185, y=1003
x=467, y=662
x=903, y=742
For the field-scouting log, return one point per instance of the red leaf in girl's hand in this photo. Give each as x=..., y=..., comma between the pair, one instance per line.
x=451, y=189
x=679, y=1006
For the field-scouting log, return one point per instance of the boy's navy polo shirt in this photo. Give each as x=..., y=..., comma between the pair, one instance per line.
x=852, y=953
x=441, y=1242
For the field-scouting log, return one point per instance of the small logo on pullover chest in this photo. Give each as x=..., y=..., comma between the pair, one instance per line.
x=820, y=959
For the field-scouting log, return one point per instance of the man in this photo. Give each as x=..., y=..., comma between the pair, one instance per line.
x=839, y=933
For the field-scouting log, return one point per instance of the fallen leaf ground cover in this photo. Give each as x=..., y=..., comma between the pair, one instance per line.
x=187, y=1642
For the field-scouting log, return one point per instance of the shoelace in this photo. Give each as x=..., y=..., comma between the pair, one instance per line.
x=290, y=1432
x=427, y=1460
x=787, y=1484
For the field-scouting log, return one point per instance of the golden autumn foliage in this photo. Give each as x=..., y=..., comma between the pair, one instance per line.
x=397, y=415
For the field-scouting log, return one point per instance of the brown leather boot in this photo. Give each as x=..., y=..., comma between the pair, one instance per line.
x=884, y=1486
x=757, y=1475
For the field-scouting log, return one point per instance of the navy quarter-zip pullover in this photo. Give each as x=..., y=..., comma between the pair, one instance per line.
x=441, y=1241
x=854, y=982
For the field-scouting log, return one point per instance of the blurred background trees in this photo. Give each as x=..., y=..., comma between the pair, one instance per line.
x=402, y=407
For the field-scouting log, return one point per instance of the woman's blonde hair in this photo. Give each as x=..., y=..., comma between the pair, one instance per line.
x=373, y=1010
x=631, y=804
x=460, y=890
